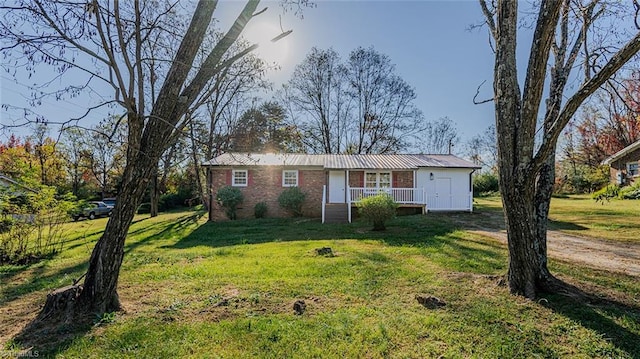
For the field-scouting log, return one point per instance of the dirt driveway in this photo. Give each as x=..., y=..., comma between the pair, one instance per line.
x=595, y=253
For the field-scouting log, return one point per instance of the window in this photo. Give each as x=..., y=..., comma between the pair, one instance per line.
x=632, y=169
x=290, y=178
x=377, y=180
x=240, y=178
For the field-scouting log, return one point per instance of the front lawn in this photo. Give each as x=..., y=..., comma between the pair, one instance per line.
x=196, y=289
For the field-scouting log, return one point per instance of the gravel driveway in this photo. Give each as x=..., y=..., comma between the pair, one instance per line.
x=619, y=257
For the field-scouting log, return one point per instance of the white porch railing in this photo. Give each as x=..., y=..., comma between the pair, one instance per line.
x=399, y=195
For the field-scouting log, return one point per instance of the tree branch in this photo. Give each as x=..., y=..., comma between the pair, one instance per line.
x=609, y=69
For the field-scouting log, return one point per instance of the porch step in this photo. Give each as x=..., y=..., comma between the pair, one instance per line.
x=336, y=213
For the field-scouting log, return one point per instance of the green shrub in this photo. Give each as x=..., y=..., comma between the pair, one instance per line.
x=378, y=209
x=485, y=183
x=229, y=198
x=291, y=199
x=606, y=193
x=260, y=209
x=33, y=224
x=630, y=192
x=6, y=224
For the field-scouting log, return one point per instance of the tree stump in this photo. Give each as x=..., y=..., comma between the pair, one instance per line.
x=299, y=307
x=61, y=301
x=324, y=251
x=430, y=302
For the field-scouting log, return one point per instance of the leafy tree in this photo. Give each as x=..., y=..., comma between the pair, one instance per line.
x=264, y=129
x=117, y=44
x=36, y=161
x=73, y=150
x=17, y=160
x=563, y=31
x=49, y=161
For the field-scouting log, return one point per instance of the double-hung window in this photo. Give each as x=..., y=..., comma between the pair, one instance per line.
x=240, y=178
x=632, y=169
x=290, y=178
x=377, y=180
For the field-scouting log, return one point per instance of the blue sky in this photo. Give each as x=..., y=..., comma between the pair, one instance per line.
x=429, y=42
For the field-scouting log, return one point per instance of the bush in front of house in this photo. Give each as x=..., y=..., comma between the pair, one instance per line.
x=260, y=209
x=630, y=192
x=291, y=199
x=229, y=198
x=378, y=209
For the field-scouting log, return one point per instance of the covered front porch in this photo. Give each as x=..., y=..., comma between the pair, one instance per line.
x=345, y=189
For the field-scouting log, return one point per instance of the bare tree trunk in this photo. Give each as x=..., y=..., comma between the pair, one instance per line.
x=99, y=291
x=154, y=193
x=147, y=139
x=202, y=192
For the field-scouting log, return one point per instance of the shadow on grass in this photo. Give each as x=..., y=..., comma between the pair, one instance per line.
x=598, y=314
x=407, y=230
x=565, y=226
x=39, y=281
x=166, y=230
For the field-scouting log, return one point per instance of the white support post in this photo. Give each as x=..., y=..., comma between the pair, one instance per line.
x=324, y=200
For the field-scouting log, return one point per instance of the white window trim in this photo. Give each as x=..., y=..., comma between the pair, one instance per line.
x=390, y=173
x=297, y=178
x=233, y=178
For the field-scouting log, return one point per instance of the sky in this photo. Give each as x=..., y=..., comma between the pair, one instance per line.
x=430, y=43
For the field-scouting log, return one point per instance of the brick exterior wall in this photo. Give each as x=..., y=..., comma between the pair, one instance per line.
x=402, y=179
x=356, y=179
x=620, y=165
x=265, y=184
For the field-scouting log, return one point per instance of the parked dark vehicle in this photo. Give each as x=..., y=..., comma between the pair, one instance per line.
x=94, y=210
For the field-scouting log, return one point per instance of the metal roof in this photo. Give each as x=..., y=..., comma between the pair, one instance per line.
x=398, y=161
x=623, y=152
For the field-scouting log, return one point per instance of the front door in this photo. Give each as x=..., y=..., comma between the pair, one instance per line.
x=443, y=193
x=337, y=187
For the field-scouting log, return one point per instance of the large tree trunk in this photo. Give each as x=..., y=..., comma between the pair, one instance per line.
x=527, y=250
x=147, y=139
x=99, y=291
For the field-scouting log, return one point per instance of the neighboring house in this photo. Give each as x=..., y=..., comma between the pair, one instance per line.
x=13, y=186
x=624, y=164
x=14, y=189
x=335, y=183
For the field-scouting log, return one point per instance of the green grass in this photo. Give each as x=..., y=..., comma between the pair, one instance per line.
x=196, y=289
x=617, y=220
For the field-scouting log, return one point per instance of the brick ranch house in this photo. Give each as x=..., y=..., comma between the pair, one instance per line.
x=624, y=165
x=335, y=183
